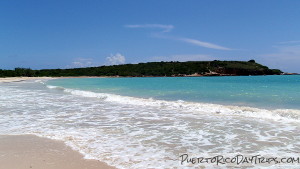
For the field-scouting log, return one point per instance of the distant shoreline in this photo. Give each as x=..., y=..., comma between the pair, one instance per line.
x=20, y=79
x=154, y=69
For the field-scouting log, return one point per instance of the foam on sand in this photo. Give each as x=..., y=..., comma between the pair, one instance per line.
x=130, y=132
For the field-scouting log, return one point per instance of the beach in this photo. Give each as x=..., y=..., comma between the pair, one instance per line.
x=149, y=84
x=29, y=151
x=146, y=122
x=20, y=79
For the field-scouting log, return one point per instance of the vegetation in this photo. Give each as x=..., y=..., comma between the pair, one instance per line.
x=207, y=68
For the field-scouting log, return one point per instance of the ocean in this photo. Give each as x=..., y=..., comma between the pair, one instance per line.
x=150, y=122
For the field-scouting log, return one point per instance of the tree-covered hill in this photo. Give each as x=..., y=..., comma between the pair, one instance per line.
x=191, y=68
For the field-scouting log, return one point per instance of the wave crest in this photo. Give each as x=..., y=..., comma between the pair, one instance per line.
x=290, y=115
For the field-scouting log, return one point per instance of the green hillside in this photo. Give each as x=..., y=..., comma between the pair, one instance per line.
x=192, y=68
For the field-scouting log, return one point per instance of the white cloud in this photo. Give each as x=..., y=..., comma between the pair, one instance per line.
x=183, y=58
x=81, y=62
x=166, y=28
x=115, y=59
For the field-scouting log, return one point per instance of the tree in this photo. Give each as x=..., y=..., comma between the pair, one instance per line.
x=252, y=61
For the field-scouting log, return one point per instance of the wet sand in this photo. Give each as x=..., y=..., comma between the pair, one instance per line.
x=29, y=151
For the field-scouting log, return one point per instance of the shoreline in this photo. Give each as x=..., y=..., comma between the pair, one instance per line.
x=240, y=113
x=30, y=151
x=20, y=79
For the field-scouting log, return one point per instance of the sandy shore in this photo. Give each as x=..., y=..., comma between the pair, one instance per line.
x=19, y=79
x=29, y=151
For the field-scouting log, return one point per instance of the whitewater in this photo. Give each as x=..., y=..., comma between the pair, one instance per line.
x=129, y=131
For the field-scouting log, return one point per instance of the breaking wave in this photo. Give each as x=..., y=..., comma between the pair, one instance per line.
x=216, y=109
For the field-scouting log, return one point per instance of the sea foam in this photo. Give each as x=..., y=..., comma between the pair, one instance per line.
x=275, y=114
x=131, y=132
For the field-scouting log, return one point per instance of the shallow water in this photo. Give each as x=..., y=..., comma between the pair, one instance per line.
x=255, y=91
x=138, y=132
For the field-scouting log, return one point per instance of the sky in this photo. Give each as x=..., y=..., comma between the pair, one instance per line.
x=42, y=34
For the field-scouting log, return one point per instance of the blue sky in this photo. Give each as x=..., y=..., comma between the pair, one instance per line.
x=64, y=34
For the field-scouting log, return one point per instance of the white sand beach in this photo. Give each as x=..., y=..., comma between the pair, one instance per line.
x=29, y=151
x=19, y=79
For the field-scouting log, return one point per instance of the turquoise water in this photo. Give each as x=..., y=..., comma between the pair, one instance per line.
x=255, y=91
x=148, y=122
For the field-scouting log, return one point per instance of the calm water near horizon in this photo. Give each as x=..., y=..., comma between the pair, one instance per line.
x=149, y=122
x=256, y=91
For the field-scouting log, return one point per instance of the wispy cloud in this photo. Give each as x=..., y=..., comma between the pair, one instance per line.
x=204, y=44
x=165, y=28
x=290, y=42
x=168, y=28
x=82, y=62
x=286, y=58
x=183, y=58
x=115, y=59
